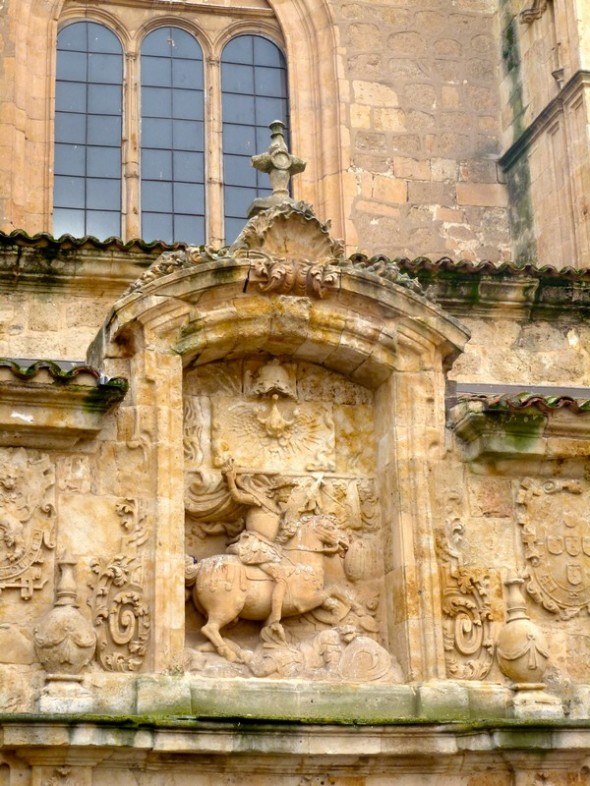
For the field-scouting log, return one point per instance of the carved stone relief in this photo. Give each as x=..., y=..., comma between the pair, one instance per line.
x=555, y=528
x=120, y=611
x=466, y=607
x=283, y=530
x=27, y=517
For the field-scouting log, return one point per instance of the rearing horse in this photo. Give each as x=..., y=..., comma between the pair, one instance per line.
x=226, y=590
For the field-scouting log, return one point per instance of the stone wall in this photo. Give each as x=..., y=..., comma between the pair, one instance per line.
x=423, y=109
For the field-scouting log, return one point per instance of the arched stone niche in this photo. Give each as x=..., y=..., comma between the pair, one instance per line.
x=311, y=375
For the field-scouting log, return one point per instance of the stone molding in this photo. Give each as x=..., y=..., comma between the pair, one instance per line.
x=577, y=83
x=534, y=12
x=42, y=406
x=533, y=426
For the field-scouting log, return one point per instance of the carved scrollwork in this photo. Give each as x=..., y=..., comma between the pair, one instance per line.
x=27, y=516
x=555, y=532
x=467, y=635
x=293, y=277
x=121, y=615
x=534, y=11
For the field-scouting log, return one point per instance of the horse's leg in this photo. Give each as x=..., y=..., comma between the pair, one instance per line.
x=211, y=631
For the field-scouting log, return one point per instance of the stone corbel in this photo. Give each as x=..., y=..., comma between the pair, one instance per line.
x=534, y=12
x=43, y=406
x=528, y=426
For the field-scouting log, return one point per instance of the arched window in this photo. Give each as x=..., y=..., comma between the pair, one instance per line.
x=254, y=93
x=172, y=137
x=88, y=106
x=177, y=149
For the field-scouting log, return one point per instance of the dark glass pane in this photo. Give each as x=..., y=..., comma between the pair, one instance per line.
x=238, y=109
x=158, y=42
x=156, y=226
x=156, y=102
x=238, y=171
x=233, y=227
x=187, y=135
x=187, y=104
x=239, y=50
x=105, y=69
x=103, y=162
x=189, y=229
x=104, y=99
x=266, y=53
x=189, y=198
x=269, y=82
x=187, y=74
x=69, y=160
x=269, y=109
x=103, y=194
x=262, y=137
x=71, y=66
x=188, y=167
x=68, y=191
x=156, y=197
x=70, y=222
x=156, y=165
x=103, y=224
x=237, y=78
x=156, y=133
x=184, y=44
x=239, y=139
x=70, y=127
x=170, y=42
x=104, y=130
x=238, y=200
x=156, y=71
x=73, y=37
x=101, y=39
x=70, y=97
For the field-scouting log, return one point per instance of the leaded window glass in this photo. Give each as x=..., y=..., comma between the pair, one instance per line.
x=254, y=93
x=172, y=137
x=88, y=109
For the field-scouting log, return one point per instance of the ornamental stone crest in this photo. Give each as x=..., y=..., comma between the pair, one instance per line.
x=555, y=521
x=27, y=515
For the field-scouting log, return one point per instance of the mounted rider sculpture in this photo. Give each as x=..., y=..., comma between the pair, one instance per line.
x=275, y=567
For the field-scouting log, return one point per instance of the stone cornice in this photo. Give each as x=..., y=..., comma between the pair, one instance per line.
x=523, y=425
x=577, y=82
x=44, y=406
x=67, y=264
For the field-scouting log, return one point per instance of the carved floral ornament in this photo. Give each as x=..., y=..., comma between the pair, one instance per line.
x=467, y=611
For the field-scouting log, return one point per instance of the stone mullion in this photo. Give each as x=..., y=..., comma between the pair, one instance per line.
x=131, y=221
x=213, y=153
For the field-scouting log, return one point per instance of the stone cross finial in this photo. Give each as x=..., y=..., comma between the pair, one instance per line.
x=280, y=166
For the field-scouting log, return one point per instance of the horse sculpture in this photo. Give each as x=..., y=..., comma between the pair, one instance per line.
x=225, y=590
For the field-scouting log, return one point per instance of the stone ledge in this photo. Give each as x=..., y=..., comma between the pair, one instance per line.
x=43, y=406
x=535, y=429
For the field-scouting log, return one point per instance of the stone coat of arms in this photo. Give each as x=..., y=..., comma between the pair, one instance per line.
x=555, y=520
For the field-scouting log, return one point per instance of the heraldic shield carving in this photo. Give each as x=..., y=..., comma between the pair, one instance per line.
x=555, y=520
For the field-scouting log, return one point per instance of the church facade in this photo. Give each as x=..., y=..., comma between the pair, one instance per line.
x=294, y=409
